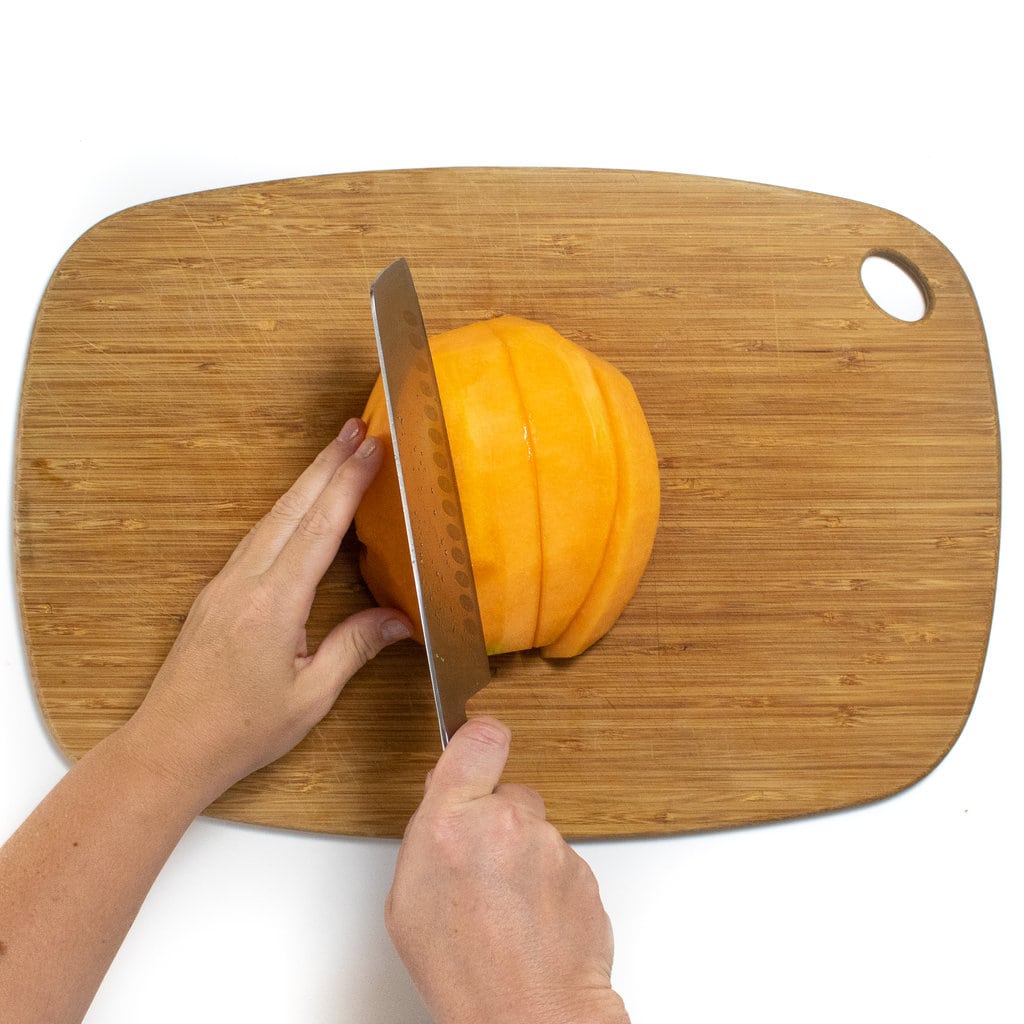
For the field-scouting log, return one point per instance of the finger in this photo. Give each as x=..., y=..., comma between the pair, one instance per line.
x=349, y=646
x=528, y=799
x=265, y=540
x=472, y=763
x=311, y=548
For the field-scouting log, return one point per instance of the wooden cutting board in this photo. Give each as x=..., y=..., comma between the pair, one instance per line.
x=811, y=629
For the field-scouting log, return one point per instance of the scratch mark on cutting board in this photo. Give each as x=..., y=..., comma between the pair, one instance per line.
x=334, y=755
x=189, y=291
x=216, y=263
x=247, y=326
x=111, y=364
x=58, y=409
x=328, y=296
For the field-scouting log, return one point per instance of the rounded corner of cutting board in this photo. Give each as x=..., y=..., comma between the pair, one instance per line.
x=809, y=629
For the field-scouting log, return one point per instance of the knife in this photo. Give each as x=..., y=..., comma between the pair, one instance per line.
x=445, y=588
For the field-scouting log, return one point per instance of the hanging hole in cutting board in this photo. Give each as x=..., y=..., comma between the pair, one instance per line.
x=895, y=286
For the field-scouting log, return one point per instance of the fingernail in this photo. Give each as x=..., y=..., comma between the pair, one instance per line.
x=350, y=431
x=367, y=448
x=394, y=629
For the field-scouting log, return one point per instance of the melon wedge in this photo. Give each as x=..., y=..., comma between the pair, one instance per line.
x=575, y=462
x=634, y=524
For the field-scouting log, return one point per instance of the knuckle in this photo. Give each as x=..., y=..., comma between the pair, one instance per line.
x=328, y=454
x=488, y=732
x=585, y=878
x=289, y=507
x=316, y=523
x=528, y=798
x=259, y=603
x=444, y=837
x=361, y=646
x=510, y=821
x=209, y=596
x=352, y=477
x=210, y=602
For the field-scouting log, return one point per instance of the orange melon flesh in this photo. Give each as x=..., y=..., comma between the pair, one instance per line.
x=568, y=429
x=558, y=480
x=496, y=480
x=384, y=559
x=497, y=490
x=634, y=523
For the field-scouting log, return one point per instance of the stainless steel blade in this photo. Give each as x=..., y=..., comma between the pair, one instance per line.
x=441, y=565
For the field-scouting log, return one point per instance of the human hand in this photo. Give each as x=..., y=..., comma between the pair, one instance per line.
x=239, y=688
x=494, y=915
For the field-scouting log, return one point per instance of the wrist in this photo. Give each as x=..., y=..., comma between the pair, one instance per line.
x=602, y=1007
x=595, y=1007
x=152, y=747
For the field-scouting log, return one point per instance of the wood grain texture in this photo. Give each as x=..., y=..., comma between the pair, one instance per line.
x=811, y=629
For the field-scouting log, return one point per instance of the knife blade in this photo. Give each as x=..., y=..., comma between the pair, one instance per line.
x=445, y=586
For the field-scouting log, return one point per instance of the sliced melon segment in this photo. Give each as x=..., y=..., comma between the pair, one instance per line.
x=496, y=480
x=497, y=489
x=635, y=520
x=575, y=462
x=384, y=559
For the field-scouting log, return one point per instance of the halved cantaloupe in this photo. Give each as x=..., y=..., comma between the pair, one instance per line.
x=558, y=480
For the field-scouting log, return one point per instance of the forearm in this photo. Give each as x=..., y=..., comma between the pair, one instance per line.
x=238, y=690
x=73, y=877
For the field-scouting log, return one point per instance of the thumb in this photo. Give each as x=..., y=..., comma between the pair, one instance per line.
x=472, y=763
x=354, y=642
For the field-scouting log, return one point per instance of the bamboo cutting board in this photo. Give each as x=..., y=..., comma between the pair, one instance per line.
x=811, y=628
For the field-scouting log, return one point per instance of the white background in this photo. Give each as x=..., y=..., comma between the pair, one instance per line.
x=908, y=910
